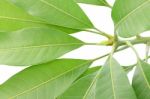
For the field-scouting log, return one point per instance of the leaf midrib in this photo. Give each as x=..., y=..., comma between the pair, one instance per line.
x=37, y=86
x=112, y=81
x=32, y=21
x=62, y=11
x=145, y=78
x=23, y=20
x=130, y=13
x=92, y=83
x=46, y=45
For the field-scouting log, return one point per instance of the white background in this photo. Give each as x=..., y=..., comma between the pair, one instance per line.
x=101, y=17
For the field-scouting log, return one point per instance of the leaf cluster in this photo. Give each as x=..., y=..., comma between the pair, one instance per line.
x=35, y=33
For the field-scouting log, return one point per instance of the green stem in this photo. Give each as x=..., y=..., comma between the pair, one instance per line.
x=136, y=53
x=125, y=47
x=133, y=65
x=95, y=44
x=143, y=40
x=103, y=33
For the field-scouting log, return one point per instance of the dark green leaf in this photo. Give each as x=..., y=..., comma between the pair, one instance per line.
x=34, y=45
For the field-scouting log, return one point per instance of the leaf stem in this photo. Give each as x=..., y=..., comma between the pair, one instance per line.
x=136, y=53
x=103, y=43
x=124, y=47
x=136, y=63
x=103, y=33
x=143, y=40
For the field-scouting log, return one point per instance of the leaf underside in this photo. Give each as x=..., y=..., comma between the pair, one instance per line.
x=141, y=80
x=32, y=46
x=102, y=84
x=45, y=81
x=131, y=17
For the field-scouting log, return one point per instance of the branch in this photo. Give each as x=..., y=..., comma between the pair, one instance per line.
x=125, y=47
x=141, y=40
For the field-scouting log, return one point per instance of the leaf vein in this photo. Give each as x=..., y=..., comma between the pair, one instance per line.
x=45, y=82
x=130, y=13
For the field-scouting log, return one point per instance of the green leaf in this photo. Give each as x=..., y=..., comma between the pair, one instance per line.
x=141, y=80
x=45, y=81
x=95, y=2
x=91, y=70
x=110, y=82
x=34, y=45
x=128, y=68
x=131, y=17
x=64, y=13
x=13, y=18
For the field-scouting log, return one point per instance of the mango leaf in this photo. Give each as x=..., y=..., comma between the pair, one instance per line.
x=141, y=80
x=110, y=82
x=45, y=81
x=95, y=2
x=34, y=45
x=13, y=18
x=64, y=13
x=131, y=17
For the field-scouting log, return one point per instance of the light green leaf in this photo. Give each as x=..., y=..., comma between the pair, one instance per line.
x=13, y=18
x=131, y=17
x=95, y=2
x=64, y=13
x=34, y=45
x=128, y=68
x=141, y=80
x=110, y=82
x=90, y=71
x=45, y=81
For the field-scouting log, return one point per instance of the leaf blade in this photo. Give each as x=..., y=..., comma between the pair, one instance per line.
x=21, y=19
x=132, y=20
x=141, y=80
x=34, y=46
x=62, y=13
x=46, y=77
x=93, y=85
